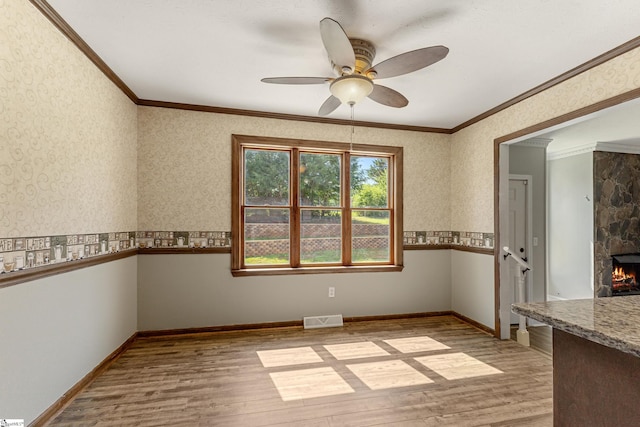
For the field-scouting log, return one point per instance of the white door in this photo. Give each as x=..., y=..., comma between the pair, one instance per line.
x=517, y=231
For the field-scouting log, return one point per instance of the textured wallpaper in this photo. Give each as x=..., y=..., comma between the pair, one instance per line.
x=67, y=135
x=472, y=148
x=184, y=167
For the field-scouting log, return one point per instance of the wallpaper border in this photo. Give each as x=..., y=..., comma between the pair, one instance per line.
x=19, y=254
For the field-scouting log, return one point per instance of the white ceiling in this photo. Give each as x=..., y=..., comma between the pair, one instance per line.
x=214, y=52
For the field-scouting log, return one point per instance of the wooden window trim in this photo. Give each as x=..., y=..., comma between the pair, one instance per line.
x=395, y=200
x=346, y=217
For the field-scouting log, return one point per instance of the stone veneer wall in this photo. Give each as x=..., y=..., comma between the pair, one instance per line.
x=616, y=191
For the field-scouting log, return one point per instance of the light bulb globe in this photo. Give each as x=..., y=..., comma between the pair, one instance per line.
x=351, y=89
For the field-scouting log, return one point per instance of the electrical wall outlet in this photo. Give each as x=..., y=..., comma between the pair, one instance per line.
x=332, y=292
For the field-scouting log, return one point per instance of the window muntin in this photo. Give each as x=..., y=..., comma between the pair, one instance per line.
x=339, y=206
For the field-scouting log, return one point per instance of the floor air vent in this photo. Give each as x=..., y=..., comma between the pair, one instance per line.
x=330, y=321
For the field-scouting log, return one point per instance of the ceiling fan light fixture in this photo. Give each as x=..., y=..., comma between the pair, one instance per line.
x=351, y=89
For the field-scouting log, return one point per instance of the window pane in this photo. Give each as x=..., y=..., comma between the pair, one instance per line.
x=266, y=178
x=266, y=236
x=369, y=182
x=370, y=236
x=319, y=179
x=320, y=236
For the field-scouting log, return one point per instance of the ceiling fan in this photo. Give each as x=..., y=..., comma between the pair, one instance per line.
x=351, y=59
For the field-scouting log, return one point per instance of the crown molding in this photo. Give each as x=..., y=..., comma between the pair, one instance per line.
x=294, y=117
x=572, y=151
x=627, y=147
x=49, y=12
x=537, y=142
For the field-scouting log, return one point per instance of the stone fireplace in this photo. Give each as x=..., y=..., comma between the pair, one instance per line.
x=616, y=191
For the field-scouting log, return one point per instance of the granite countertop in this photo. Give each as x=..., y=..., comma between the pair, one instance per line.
x=613, y=322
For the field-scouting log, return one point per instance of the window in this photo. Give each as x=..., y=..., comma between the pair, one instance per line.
x=311, y=206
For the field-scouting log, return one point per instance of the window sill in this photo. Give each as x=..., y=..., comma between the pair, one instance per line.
x=184, y=250
x=315, y=270
x=455, y=247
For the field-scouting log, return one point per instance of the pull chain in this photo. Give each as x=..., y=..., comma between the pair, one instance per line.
x=352, y=130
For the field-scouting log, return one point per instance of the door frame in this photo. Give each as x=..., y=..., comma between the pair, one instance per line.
x=500, y=180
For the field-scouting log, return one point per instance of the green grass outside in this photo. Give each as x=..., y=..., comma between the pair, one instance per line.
x=321, y=257
x=369, y=220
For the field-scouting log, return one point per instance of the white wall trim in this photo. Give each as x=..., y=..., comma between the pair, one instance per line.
x=536, y=142
x=572, y=151
x=618, y=147
x=504, y=309
x=628, y=147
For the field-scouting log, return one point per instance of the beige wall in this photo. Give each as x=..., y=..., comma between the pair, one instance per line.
x=67, y=135
x=184, y=167
x=186, y=291
x=67, y=165
x=472, y=286
x=57, y=329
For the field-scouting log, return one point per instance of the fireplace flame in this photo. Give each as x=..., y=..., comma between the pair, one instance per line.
x=622, y=279
x=619, y=275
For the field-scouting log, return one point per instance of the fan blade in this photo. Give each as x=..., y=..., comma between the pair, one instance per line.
x=387, y=96
x=337, y=43
x=297, y=80
x=409, y=62
x=329, y=105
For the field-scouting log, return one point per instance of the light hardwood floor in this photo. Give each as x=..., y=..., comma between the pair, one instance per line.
x=436, y=371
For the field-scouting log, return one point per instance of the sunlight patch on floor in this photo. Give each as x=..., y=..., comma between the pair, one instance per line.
x=455, y=366
x=388, y=374
x=309, y=383
x=391, y=372
x=416, y=344
x=356, y=350
x=288, y=357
